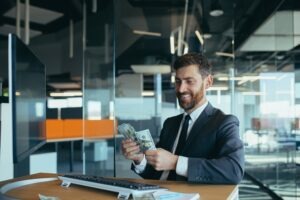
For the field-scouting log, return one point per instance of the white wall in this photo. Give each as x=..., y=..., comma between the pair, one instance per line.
x=6, y=143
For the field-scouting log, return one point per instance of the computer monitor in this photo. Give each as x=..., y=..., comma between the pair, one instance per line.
x=27, y=93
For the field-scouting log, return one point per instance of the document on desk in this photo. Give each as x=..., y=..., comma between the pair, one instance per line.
x=44, y=197
x=168, y=195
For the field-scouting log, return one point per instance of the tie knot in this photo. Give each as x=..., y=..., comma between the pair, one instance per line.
x=187, y=118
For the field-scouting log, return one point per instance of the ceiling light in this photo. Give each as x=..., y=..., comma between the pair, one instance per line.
x=255, y=78
x=199, y=36
x=186, y=47
x=148, y=93
x=151, y=69
x=207, y=35
x=230, y=78
x=173, y=78
x=216, y=88
x=172, y=44
x=253, y=93
x=147, y=33
x=66, y=94
x=280, y=57
x=231, y=55
x=216, y=9
x=176, y=34
x=65, y=85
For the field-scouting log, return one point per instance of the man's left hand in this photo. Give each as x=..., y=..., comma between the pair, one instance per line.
x=161, y=159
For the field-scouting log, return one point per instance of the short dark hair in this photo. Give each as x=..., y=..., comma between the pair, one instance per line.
x=198, y=59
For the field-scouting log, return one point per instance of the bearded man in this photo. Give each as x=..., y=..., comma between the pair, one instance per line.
x=200, y=145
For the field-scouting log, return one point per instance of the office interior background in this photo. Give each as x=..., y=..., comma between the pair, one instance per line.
x=110, y=62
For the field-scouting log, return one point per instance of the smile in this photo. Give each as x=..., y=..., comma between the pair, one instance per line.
x=184, y=96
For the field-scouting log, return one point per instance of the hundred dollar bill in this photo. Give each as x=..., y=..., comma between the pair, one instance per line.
x=145, y=140
x=128, y=131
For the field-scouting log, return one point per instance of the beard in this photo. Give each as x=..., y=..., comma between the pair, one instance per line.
x=186, y=105
x=195, y=99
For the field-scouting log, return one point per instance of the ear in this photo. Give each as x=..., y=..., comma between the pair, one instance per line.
x=209, y=81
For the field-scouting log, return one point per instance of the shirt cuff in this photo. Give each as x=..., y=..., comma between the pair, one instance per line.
x=182, y=166
x=139, y=168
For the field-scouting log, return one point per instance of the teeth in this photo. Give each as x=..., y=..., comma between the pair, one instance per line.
x=185, y=96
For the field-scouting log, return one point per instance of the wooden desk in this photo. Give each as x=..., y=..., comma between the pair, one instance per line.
x=53, y=188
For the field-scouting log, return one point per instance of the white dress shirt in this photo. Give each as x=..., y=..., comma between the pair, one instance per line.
x=182, y=163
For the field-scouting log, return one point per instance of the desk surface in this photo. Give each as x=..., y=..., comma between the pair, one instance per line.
x=53, y=188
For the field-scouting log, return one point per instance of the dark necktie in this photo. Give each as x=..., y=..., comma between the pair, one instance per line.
x=180, y=144
x=183, y=135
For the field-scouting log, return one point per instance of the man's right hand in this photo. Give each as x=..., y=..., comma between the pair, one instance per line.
x=131, y=151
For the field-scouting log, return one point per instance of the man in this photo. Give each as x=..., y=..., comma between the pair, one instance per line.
x=209, y=150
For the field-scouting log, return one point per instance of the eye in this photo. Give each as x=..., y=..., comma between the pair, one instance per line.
x=190, y=81
x=177, y=81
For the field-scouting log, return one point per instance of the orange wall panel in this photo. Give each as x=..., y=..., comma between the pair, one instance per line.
x=54, y=128
x=73, y=128
x=99, y=128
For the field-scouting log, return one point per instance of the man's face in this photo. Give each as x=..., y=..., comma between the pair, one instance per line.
x=190, y=87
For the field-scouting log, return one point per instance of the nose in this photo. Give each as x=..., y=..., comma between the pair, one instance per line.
x=181, y=87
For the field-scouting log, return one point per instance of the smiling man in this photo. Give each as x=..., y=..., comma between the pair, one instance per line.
x=202, y=144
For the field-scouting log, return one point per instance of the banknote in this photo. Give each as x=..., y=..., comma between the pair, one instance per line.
x=145, y=140
x=128, y=131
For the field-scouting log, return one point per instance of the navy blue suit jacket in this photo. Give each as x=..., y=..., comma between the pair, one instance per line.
x=214, y=149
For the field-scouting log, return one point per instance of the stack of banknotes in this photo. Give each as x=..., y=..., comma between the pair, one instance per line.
x=143, y=138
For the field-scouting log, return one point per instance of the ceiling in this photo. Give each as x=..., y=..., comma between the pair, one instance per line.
x=240, y=20
x=46, y=16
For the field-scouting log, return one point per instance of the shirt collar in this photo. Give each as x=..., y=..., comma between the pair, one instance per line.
x=196, y=113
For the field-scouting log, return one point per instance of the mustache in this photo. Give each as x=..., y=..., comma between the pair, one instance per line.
x=183, y=93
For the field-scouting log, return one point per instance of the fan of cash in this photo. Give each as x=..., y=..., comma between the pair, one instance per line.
x=143, y=138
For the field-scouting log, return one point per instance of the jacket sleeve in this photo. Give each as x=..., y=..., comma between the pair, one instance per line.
x=227, y=164
x=150, y=172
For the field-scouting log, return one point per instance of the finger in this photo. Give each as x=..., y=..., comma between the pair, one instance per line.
x=130, y=150
x=151, y=152
x=151, y=159
x=135, y=156
x=129, y=144
x=125, y=141
x=154, y=163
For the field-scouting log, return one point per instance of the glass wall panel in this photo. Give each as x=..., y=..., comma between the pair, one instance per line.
x=98, y=70
x=265, y=91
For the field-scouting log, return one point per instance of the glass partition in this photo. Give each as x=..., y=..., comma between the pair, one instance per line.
x=144, y=91
x=265, y=90
x=98, y=89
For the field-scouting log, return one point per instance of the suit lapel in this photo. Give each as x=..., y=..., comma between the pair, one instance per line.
x=199, y=123
x=173, y=131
